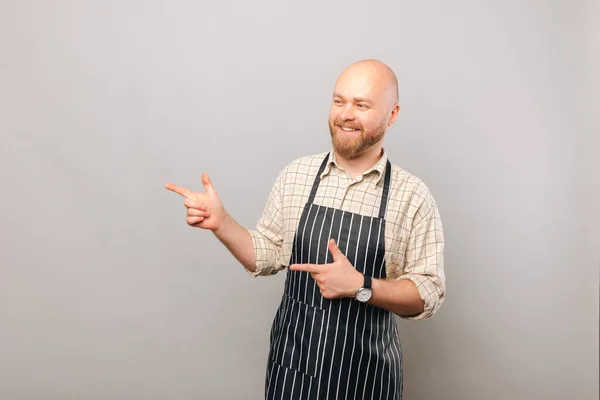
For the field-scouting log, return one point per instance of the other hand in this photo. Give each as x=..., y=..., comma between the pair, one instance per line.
x=337, y=279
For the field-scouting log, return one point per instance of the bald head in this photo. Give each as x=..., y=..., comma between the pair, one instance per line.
x=365, y=104
x=371, y=76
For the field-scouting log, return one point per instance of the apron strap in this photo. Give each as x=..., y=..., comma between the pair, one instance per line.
x=315, y=186
x=384, y=195
x=386, y=189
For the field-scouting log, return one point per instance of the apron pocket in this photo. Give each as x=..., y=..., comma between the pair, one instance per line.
x=299, y=343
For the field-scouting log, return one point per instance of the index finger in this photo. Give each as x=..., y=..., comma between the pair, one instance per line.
x=313, y=268
x=185, y=192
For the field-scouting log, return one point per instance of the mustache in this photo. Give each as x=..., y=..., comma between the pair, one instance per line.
x=347, y=125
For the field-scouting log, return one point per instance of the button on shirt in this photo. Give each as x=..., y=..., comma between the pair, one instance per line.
x=414, y=240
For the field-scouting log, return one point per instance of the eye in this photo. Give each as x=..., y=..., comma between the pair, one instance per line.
x=337, y=102
x=362, y=106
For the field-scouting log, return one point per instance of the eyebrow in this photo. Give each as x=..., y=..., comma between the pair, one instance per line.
x=356, y=99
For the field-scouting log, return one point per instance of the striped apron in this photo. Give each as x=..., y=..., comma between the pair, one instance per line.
x=338, y=348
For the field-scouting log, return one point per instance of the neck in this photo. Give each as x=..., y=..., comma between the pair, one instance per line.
x=358, y=165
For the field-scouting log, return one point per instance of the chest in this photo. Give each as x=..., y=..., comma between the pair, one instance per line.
x=360, y=198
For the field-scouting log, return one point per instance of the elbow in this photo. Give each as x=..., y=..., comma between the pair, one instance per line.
x=430, y=290
x=428, y=306
x=412, y=310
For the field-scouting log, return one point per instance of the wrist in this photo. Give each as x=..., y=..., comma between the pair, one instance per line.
x=225, y=220
x=365, y=292
x=357, y=282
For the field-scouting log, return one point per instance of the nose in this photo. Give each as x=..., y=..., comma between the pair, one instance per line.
x=347, y=113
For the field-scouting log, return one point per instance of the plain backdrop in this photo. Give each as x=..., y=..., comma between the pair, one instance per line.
x=106, y=292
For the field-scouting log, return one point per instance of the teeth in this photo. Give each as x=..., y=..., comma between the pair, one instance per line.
x=348, y=129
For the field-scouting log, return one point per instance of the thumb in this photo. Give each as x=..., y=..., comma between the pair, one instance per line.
x=207, y=183
x=335, y=251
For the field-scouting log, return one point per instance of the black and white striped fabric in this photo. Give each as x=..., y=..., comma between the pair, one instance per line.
x=339, y=348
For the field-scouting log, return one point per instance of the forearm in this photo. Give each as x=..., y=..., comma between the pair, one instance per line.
x=238, y=241
x=400, y=297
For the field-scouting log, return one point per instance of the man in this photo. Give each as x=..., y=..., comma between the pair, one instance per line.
x=362, y=240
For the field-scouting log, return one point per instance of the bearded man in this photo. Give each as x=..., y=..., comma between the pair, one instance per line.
x=362, y=242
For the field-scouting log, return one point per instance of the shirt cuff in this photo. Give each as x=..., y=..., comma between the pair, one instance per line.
x=428, y=291
x=266, y=255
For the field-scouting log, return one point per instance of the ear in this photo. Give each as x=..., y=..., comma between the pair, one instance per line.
x=394, y=114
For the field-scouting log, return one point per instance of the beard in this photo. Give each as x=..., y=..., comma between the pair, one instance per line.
x=351, y=147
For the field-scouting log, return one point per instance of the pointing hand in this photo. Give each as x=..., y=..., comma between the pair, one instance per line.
x=204, y=210
x=336, y=279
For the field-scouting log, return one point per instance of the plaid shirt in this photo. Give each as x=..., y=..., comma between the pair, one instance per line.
x=414, y=240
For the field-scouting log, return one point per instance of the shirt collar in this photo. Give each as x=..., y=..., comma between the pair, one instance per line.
x=378, y=168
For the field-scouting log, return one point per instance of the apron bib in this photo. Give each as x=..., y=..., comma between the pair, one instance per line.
x=338, y=348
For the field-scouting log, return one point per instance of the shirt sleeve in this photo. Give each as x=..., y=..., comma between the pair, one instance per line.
x=424, y=258
x=267, y=237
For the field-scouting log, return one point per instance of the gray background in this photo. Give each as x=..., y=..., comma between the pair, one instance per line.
x=106, y=293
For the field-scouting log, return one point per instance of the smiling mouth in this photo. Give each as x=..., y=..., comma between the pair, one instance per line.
x=348, y=129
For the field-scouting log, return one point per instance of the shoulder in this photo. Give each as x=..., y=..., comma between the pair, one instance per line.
x=409, y=188
x=305, y=162
x=302, y=168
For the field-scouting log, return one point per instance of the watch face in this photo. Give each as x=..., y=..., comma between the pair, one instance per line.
x=363, y=295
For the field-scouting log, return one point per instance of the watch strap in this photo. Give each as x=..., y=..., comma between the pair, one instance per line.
x=368, y=282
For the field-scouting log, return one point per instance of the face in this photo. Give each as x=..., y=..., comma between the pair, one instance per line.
x=360, y=113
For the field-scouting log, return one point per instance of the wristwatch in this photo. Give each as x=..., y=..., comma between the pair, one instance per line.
x=364, y=293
